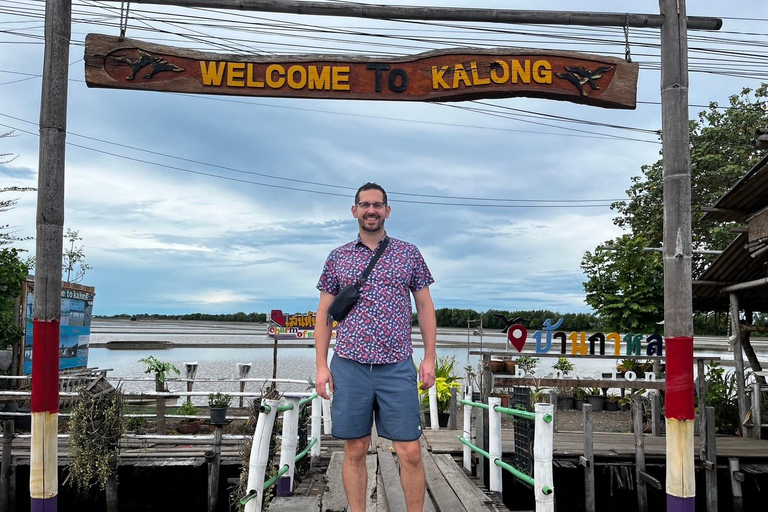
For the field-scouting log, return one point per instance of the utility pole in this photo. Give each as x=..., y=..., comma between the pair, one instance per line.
x=678, y=306
x=43, y=479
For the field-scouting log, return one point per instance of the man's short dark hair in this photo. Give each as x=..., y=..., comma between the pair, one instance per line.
x=370, y=186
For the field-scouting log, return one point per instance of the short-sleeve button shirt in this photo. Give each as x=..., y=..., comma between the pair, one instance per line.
x=378, y=329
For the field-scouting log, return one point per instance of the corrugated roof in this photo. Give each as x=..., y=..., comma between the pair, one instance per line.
x=733, y=266
x=749, y=194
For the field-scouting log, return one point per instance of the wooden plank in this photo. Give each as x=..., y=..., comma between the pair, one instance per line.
x=467, y=491
x=295, y=504
x=589, y=460
x=439, y=75
x=642, y=496
x=442, y=492
x=393, y=490
x=334, y=498
x=710, y=453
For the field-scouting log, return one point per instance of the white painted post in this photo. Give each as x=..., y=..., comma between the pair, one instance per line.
x=494, y=443
x=468, y=429
x=327, y=420
x=257, y=466
x=433, y=408
x=317, y=425
x=243, y=369
x=290, y=437
x=542, y=459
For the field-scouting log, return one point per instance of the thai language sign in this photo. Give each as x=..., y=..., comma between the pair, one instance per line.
x=294, y=326
x=582, y=345
x=445, y=75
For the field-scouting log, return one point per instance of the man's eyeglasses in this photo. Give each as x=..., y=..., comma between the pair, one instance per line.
x=376, y=206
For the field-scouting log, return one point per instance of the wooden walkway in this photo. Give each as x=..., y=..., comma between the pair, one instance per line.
x=449, y=488
x=606, y=444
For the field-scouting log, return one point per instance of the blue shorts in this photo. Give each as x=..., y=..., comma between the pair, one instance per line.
x=387, y=390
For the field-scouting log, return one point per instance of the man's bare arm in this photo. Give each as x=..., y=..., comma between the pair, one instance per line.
x=425, y=309
x=322, y=342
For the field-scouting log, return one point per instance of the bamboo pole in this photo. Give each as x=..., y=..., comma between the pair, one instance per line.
x=43, y=480
x=385, y=12
x=738, y=359
x=327, y=418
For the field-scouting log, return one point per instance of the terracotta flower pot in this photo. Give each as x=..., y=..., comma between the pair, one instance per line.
x=189, y=427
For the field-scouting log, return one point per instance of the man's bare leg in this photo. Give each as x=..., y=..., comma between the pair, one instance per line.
x=411, y=474
x=354, y=474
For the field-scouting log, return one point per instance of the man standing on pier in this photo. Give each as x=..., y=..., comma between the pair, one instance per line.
x=372, y=371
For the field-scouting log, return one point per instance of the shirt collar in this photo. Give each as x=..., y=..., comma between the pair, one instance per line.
x=359, y=241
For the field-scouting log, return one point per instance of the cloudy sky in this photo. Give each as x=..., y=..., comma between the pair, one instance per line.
x=190, y=203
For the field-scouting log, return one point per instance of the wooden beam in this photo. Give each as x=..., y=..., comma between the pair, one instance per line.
x=710, y=451
x=504, y=381
x=589, y=460
x=384, y=12
x=642, y=493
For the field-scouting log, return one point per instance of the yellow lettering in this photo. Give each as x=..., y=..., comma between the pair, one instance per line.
x=235, y=74
x=437, y=78
x=321, y=81
x=476, y=80
x=212, y=72
x=340, y=78
x=250, y=81
x=280, y=71
x=301, y=82
x=460, y=74
x=542, y=72
x=495, y=67
x=523, y=74
x=578, y=346
x=616, y=342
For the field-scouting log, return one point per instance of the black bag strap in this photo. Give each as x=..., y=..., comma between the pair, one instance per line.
x=361, y=281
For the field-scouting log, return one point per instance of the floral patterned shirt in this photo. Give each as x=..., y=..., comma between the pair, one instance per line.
x=378, y=329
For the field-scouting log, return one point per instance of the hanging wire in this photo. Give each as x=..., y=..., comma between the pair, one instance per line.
x=125, y=7
x=627, y=54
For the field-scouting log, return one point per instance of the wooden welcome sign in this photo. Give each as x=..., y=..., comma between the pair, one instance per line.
x=445, y=75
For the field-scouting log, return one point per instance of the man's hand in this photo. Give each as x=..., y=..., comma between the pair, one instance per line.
x=427, y=373
x=324, y=377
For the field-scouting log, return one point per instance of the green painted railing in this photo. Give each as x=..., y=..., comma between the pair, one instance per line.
x=506, y=410
x=305, y=401
x=475, y=404
x=519, y=474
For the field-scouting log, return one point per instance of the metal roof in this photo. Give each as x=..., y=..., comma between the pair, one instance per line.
x=748, y=195
x=733, y=266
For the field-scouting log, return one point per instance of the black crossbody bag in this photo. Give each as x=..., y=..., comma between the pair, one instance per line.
x=349, y=295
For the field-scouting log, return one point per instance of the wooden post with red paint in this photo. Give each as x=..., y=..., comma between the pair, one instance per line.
x=678, y=305
x=43, y=479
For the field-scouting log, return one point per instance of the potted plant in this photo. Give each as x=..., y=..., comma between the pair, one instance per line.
x=579, y=397
x=527, y=363
x=564, y=393
x=596, y=400
x=612, y=403
x=188, y=425
x=161, y=369
x=445, y=380
x=218, y=404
